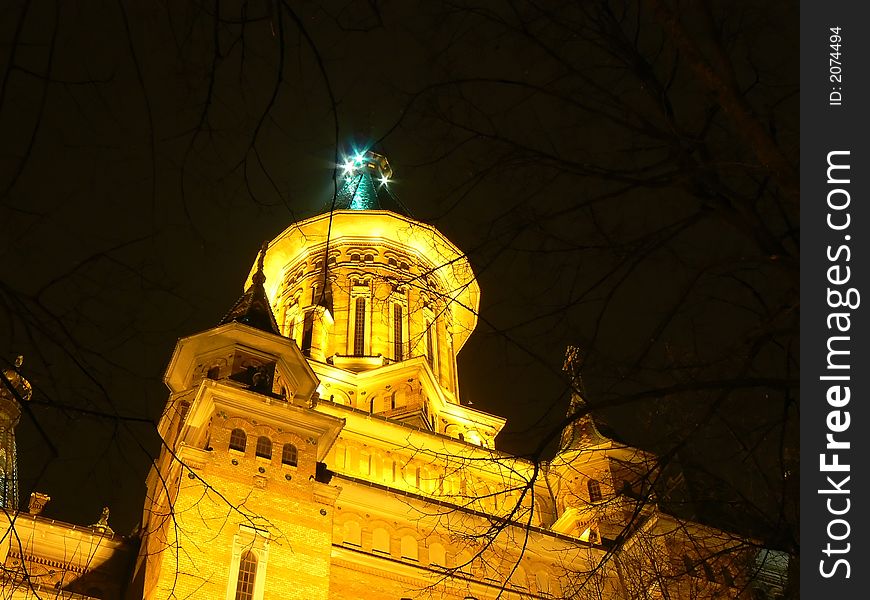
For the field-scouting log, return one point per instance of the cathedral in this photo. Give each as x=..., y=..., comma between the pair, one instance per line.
x=315, y=447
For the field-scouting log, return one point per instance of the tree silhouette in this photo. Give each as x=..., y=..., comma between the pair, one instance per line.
x=622, y=176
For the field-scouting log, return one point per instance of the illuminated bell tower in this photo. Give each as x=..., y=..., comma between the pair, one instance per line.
x=240, y=477
x=598, y=482
x=13, y=389
x=380, y=304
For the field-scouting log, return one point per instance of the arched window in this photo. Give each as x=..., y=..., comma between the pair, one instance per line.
x=594, y=490
x=437, y=555
x=238, y=440
x=398, y=338
x=542, y=580
x=688, y=565
x=410, y=547
x=519, y=579
x=247, y=574
x=264, y=447
x=392, y=262
x=463, y=562
x=430, y=346
x=359, y=327
x=307, y=332
x=289, y=455
x=352, y=533
x=370, y=258
x=708, y=571
x=355, y=257
x=381, y=540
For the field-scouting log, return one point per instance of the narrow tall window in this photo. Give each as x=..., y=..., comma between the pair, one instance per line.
x=238, y=440
x=688, y=565
x=430, y=350
x=381, y=540
x=398, y=347
x=359, y=327
x=290, y=455
x=290, y=329
x=264, y=447
x=307, y=332
x=594, y=490
x=410, y=547
x=247, y=574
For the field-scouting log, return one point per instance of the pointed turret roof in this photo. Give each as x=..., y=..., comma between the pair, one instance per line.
x=364, y=182
x=253, y=307
x=582, y=431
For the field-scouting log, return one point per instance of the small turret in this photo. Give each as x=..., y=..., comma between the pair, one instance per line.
x=14, y=389
x=253, y=307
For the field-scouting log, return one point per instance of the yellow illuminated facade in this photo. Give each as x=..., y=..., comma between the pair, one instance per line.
x=315, y=447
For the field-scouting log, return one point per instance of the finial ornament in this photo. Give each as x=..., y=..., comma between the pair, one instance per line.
x=19, y=383
x=38, y=500
x=573, y=367
x=103, y=524
x=260, y=277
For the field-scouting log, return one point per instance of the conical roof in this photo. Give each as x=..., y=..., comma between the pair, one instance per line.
x=582, y=430
x=253, y=307
x=364, y=183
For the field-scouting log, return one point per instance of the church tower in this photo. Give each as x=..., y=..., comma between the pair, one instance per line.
x=13, y=390
x=598, y=481
x=238, y=497
x=332, y=376
x=380, y=304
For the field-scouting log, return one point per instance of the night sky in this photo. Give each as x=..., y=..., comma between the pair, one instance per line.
x=609, y=191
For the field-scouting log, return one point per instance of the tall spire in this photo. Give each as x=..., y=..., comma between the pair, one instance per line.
x=582, y=431
x=364, y=183
x=13, y=390
x=253, y=307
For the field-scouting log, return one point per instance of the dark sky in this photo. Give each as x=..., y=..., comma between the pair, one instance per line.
x=607, y=195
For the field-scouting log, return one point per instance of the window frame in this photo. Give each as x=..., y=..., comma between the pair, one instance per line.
x=247, y=576
x=244, y=443
x=284, y=459
x=360, y=290
x=256, y=542
x=593, y=487
x=399, y=330
x=263, y=450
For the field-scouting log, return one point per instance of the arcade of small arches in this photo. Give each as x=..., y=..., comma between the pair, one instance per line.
x=239, y=437
x=239, y=440
x=417, y=473
x=378, y=537
x=385, y=304
x=391, y=401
